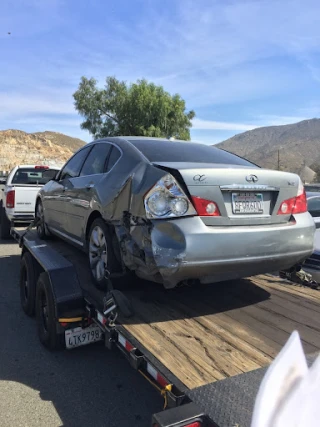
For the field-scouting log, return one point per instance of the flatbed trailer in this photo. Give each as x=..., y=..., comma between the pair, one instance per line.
x=205, y=348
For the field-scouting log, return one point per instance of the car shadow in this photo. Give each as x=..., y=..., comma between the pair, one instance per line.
x=190, y=301
x=87, y=386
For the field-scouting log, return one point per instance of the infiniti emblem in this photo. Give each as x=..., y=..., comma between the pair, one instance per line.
x=252, y=178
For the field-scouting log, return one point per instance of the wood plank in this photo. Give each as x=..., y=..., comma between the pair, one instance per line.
x=289, y=287
x=292, y=297
x=294, y=310
x=204, y=348
x=209, y=333
x=260, y=326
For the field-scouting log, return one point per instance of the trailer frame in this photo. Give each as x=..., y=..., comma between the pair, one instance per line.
x=73, y=310
x=221, y=403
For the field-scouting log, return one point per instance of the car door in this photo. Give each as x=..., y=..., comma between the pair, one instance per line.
x=83, y=189
x=56, y=198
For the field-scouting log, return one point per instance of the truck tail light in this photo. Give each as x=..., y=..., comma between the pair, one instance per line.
x=295, y=205
x=205, y=207
x=10, y=199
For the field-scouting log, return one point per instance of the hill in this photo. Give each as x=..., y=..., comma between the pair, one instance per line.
x=18, y=147
x=295, y=147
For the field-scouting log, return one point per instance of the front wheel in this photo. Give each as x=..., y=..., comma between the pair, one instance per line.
x=41, y=225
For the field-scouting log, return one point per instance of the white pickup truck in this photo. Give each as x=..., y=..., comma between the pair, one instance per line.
x=18, y=195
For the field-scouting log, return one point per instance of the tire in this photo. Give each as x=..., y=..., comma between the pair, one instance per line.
x=29, y=272
x=45, y=315
x=5, y=226
x=99, y=247
x=42, y=231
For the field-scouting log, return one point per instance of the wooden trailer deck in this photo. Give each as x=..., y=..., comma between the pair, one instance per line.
x=206, y=333
x=209, y=333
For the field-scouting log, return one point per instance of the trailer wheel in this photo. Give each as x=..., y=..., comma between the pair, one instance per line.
x=29, y=272
x=5, y=226
x=45, y=315
x=100, y=253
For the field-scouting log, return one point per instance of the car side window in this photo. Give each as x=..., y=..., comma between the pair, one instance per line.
x=96, y=161
x=74, y=165
x=113, y=158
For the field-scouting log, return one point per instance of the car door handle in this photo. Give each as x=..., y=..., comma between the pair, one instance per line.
x=88, y=186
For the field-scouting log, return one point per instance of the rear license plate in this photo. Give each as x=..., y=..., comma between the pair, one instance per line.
x=247, y=203
x=78, y=336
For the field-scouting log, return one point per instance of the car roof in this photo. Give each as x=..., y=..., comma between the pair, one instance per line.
x=141, y=138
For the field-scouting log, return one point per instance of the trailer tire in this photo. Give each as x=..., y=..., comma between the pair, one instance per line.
x=5, y=226
x=29, y=273
x=45, y=315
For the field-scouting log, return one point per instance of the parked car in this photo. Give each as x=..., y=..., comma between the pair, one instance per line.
x=312, y=264
x=18, y=194
x=174, y=210
x=312, y=188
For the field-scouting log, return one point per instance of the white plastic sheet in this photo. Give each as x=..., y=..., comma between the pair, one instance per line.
x=289, y=393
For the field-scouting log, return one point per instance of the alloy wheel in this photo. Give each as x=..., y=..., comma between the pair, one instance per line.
x=98, y=253
x=40, y=216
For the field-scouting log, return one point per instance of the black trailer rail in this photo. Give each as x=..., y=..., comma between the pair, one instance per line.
x=79, y=310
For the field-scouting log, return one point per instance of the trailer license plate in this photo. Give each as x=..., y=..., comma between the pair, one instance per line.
x=247, y=203
x=78, y=336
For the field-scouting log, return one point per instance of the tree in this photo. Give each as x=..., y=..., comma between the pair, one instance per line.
x=139, y=109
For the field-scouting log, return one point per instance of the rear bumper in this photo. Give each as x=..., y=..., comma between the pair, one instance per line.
x=187, y=248
x=27, y=217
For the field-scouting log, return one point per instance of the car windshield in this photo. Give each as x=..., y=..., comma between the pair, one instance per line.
x=33, y=176
x=174, y=151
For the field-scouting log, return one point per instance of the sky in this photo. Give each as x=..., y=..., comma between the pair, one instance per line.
x=238, y=64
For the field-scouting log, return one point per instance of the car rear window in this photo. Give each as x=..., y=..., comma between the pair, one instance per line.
x=34, y=176
x=174, y=151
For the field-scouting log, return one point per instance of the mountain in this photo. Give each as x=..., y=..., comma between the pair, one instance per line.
x=52, y=148
x=295, y=147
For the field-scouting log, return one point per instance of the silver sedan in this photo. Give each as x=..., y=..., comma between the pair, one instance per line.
x=172, y=211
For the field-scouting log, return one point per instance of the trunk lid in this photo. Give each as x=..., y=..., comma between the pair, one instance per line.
x=244, y=195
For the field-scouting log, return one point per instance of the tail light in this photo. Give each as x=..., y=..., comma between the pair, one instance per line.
x=205, y=207
x=295, y=205
x=10, y=199
x=41, y=167
x=166, y=199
